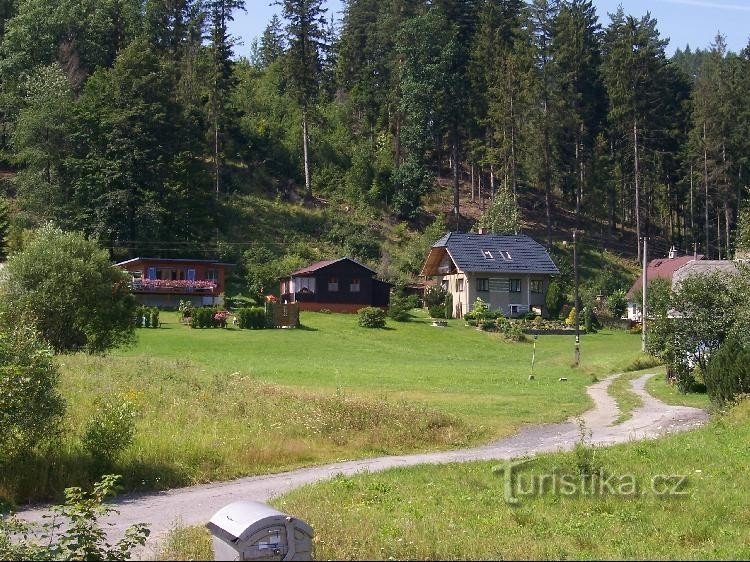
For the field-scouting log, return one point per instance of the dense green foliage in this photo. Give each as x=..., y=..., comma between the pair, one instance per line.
x=133, y=122
x=251, y=318
x=65, y=286
x=371, y=317
x=74, y=533
x=30, y=404
x=727, y=376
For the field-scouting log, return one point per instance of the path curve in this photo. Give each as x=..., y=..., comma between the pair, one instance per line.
x=195, y=505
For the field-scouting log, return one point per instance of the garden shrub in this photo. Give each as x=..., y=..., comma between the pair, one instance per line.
x=30, y=406
x=617, y=303
x=449, y=306
x=110, y=430
x=239, y=301
x=555, y=299
x=219, y=318
x=154, y=313
x=435, y=296
x=372, y=317
x=436, y=311
x=251, y=318
x=400, y=307
x=727, y=376
x=512, y=331
x=186, y=309
x=202, y=318
x=66, y=286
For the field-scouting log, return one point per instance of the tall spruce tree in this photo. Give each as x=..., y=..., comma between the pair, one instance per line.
x=220, y=14
x=306, y=37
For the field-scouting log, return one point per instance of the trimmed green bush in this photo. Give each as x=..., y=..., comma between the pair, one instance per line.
x=372, y=317
x=154, y=313
x=202, y=318
x=436, y=311
x=727, y=377
x=400, y=307
x=251, y=318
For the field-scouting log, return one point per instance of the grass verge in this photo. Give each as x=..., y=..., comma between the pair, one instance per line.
x=666, y=392
x=459, y=511
x=627, y=400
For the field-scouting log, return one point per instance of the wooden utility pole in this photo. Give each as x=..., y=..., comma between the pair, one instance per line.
x=644, y=336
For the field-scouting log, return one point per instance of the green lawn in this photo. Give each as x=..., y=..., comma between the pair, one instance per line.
x=221, y=403
x=475, y=375
x=459, y=511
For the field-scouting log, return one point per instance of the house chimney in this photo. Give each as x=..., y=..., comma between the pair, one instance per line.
x=672, y=253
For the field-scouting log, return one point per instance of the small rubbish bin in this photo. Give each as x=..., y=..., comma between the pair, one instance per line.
x=248, y=530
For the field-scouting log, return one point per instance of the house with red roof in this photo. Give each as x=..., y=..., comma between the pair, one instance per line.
x=340, y=285
x=661, y=268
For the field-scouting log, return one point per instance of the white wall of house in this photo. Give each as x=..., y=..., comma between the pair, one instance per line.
x=514, y=295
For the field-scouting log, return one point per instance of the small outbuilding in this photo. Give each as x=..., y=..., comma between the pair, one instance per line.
x=340, y=285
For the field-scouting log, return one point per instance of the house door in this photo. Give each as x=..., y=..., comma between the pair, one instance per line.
x=190, y=277
x=459, y=310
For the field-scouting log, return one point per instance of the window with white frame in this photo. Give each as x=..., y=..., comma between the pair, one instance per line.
x=514, y=285
x=459, y=284
x=354, y=285
x=304, y=285
x=333, y=284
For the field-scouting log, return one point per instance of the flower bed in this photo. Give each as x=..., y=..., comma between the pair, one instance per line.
x=176, y=284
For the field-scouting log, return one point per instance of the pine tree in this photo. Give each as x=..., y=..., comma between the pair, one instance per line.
x=501, y=217
x=272, y=43
x=306, y=36
x=220, y=15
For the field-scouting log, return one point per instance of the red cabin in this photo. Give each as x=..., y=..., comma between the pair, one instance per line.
x=165, y=282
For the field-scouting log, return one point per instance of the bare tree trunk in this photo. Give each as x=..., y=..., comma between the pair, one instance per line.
x=513, y=151
x=492, y=180
x=727, y=219
x=705, y=185
x=217, y=166
x=472, y=183
x=454, y=162
x=397, y=142
x=308, y=185
x=637, y=189
x=692, y=212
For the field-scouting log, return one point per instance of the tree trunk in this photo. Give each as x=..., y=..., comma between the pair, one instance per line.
x=454, y=161
x=217, y=165
x=472, y=183
x=637, y=189
x=705, y=186
x=308, y=185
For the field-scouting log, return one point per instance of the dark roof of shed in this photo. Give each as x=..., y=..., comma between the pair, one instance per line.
x=511, y=254
x=313, y=267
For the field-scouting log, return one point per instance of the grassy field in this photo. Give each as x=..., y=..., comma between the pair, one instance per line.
x=217, y=404
x=459, y=370
x=669, y=393
x=460, y=512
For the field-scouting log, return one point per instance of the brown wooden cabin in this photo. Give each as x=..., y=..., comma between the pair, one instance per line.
x=342, y=285
x=164, y=282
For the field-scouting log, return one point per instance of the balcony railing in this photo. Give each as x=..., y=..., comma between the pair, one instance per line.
x=173, y=285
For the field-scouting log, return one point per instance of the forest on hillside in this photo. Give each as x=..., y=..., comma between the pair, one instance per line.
x=134, y=122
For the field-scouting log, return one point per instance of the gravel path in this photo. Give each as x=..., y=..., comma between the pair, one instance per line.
x=196, y=504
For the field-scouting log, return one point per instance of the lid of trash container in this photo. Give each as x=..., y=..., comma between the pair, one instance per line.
x=243, y=518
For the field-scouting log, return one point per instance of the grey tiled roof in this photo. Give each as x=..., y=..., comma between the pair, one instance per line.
x=704, y=267
x=510, y=254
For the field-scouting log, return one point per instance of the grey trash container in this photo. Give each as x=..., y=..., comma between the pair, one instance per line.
x=247, y=530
